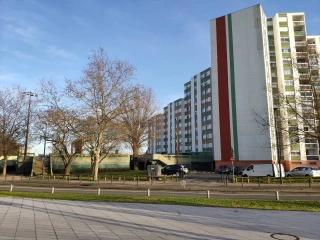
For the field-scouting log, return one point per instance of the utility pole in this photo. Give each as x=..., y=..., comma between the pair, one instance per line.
x=27, y=132
x=177, y=143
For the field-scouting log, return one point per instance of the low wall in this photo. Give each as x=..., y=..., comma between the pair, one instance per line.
x=192, y=162
x=82, y=163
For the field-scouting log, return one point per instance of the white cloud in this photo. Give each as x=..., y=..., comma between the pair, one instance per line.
x=60, y=52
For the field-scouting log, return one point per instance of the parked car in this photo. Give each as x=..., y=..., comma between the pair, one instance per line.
x=224, y=169
x=238, y=170
x=304, y=172
x=174, y=169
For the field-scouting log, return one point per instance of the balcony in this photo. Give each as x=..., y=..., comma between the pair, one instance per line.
x=301, y=54
x=298, y=23
x=300, y=43
x=302, y=65
x=299, y=33
x=305, y=87
x=304, y=75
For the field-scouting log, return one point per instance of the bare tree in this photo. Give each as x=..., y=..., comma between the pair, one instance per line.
x=110, y=140
x=57, y=121
x=12, y=121
x=297, y=102
x=136, y=119
x=60, y=135
x=100, y=94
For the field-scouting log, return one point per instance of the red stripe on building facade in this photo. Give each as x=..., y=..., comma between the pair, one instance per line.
x=223, y=89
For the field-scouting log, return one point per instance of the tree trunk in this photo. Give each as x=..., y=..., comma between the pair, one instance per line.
x=136, y=163
x=135, y=157
x=67, y=169
x=96, y=165
x=4, y=171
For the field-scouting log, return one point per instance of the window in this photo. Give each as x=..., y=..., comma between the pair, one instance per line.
x=285, y=40
x=273, y=64
x=271, y=43
x=288, y=82
x=286, y=50
x=295, y=153
x=272, y=53
x=286, y=61
x=287, y=71
x=250, y=168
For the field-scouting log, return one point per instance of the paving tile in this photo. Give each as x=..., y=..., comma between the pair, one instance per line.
x=56, y=219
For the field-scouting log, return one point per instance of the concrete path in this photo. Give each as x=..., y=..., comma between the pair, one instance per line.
x=59, y=219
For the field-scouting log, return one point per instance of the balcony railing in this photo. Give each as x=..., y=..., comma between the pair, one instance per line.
x=303, y=75
x=305, y=87
x=299, y=33
x=311, y=145
x=302, y=65
x=300, y=43
x=301, y=54
x=298, y=23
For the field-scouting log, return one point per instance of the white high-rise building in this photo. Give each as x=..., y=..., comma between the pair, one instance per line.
x=186, y=124
x=254, y=61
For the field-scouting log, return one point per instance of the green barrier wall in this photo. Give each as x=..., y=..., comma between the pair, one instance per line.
x=82, y=164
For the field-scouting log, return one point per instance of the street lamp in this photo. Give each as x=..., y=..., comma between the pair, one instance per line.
x=27, y=131
x=177, y=140
x=278, y=142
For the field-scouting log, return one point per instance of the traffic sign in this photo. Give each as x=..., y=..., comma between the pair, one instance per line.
x=232, y=159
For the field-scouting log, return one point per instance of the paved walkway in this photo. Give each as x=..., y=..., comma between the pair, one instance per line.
x=59, y=219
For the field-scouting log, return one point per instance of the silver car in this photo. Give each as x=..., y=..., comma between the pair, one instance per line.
x=304, y=172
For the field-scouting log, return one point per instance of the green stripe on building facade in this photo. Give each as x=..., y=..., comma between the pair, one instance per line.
x=233, y=91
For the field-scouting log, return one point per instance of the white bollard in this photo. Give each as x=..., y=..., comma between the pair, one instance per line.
x=52, y=190
x=148, y=193
x=11, y=187
x=98, y=191
x=277, y=195
x=208, y=194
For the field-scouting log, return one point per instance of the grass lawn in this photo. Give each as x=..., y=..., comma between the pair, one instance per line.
x=291, y=205
x=129, y=175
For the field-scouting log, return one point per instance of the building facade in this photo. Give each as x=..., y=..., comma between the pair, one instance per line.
x=240, y=76
x=186, y=124
x=262, y=72
x=242, y=106
x=294, y=62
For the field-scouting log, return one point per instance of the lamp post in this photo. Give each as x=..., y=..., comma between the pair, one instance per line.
x=27, y=131
x=177, y=141
x=278, y=142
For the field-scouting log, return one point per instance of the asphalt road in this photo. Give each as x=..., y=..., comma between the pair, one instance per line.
x=201, y=194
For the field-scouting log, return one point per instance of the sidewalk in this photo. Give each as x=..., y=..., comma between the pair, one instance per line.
x=27, y=219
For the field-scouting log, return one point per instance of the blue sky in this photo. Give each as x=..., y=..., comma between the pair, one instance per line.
x=166, y=40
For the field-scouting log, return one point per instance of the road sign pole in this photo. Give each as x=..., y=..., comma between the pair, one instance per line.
x=232, y=161
x=232, y=172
